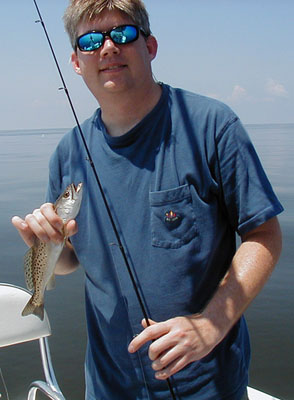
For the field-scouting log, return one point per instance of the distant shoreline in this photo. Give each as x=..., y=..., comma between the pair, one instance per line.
x=48, y=131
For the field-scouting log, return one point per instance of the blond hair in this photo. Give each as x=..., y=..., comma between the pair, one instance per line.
x=87, y=10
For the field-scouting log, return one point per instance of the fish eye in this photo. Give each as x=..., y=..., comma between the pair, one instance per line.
x=66, y=194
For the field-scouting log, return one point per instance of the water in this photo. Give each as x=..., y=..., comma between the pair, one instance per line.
x=24, y=157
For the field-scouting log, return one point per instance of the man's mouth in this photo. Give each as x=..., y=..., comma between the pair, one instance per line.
x=113, y=68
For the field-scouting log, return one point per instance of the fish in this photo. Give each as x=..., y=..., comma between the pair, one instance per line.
x=40, y=260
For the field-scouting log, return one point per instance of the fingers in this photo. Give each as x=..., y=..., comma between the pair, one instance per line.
x=54, y=224
x=162, y=345
x=172, y=368
x=44, y=224
x=23, y=229
x=150, y=322
x=150, y=333
x=170, y=362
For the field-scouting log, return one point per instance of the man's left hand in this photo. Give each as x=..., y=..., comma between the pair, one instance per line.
x=176, y=342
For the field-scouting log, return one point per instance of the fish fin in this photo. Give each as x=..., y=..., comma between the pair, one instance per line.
x=28, y=268
x=31, y=308
x=51, y=283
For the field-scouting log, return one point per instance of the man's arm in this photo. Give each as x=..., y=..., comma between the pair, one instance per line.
x=182, y=340
x=44, y=224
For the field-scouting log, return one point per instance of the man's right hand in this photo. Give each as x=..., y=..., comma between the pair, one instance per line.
x=43, y=224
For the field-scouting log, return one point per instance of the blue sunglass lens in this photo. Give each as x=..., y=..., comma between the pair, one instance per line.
x=91, y=41
x=124, y=34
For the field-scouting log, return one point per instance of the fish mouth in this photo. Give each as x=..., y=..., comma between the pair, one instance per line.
x=78, y=187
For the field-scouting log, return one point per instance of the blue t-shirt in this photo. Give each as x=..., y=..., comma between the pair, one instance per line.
x=179, y=185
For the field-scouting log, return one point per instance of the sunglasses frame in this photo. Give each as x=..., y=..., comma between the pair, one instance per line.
x=106, y=34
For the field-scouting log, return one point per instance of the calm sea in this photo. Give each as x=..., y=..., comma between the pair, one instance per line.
x=24, y=157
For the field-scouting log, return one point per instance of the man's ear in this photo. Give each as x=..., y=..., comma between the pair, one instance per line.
x=75, y=63
x=152, y=46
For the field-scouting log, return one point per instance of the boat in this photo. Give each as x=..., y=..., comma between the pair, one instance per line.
x=254, y=394
x=19, y=330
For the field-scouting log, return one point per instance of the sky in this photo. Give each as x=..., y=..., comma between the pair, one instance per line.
x=238, y=51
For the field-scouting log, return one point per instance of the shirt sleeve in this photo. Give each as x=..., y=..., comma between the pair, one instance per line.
x=246, y=191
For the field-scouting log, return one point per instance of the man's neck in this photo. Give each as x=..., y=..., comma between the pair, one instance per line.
x=121, y=112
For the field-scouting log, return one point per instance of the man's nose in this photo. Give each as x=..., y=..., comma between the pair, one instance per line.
x=109, y=48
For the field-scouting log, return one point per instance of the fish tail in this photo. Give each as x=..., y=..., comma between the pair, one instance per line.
x=36, y=309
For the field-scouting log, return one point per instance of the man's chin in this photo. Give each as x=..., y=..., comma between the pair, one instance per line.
x=114, y=87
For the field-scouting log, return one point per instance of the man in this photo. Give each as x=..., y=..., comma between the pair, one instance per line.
x=181, y=177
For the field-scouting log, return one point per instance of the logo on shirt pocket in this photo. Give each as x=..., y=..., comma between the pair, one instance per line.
x=173, y=221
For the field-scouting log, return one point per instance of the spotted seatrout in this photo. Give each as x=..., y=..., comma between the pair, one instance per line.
x=41, y=259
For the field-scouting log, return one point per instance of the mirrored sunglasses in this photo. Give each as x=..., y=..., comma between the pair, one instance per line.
x=122, y=34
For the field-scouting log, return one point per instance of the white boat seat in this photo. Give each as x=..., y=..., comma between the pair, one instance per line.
x=15, y=329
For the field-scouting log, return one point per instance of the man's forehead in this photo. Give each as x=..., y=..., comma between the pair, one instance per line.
x=106, y=20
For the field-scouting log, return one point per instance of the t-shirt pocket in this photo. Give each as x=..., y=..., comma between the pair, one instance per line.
x=173, y=221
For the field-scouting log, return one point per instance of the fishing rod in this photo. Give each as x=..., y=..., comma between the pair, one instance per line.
x=89, y=158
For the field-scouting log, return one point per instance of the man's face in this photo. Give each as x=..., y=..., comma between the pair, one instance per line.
x=115, y=68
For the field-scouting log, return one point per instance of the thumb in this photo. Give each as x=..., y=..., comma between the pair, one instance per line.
x=150, y=322
x=71, y=228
